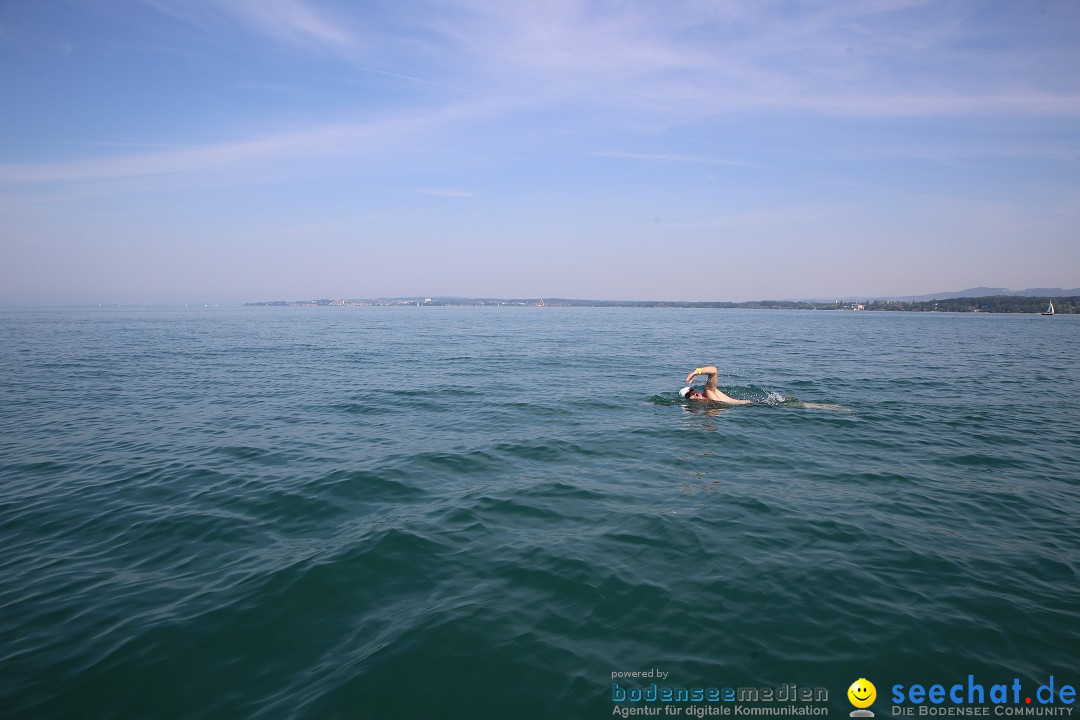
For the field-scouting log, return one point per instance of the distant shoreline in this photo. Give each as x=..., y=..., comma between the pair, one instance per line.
x=1068, y=305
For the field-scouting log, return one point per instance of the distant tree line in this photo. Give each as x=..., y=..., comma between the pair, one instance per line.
x=991, y=304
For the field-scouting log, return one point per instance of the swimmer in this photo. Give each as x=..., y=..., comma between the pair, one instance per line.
x=711, y=393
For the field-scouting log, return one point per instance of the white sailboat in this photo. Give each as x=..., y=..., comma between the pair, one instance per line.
x=1049, y=310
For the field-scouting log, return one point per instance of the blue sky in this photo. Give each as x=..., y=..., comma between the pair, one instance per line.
x=234, y=150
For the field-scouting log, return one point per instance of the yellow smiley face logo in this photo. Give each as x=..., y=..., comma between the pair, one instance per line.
x=862, y=693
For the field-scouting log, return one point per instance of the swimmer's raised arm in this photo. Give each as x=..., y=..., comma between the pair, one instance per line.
x=708, y=370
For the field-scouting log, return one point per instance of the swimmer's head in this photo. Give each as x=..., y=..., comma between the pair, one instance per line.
x=689, y=393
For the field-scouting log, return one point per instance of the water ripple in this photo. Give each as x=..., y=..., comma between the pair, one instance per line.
x=249, y=513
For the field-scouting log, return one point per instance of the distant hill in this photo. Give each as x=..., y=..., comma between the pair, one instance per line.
x=978, y=292
x=987, y=292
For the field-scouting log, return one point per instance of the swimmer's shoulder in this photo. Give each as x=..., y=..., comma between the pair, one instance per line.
x=723, y=399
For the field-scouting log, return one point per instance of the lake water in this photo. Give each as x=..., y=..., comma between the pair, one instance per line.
x=400, y=512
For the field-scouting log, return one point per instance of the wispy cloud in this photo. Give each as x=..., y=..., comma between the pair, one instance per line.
x=690, y=60
x=1033, y=103
x=681, y=61
x=967, y=152
x=388, y=134
x=290, y=21
x=638, y=66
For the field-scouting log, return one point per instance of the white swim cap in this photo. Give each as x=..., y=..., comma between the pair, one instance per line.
x=684, y=392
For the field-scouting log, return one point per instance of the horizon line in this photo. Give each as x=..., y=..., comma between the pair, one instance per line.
x=1056, y=293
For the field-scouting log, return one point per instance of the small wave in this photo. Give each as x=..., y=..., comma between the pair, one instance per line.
x=463, y=463
x=367, y=486
x=544, y=451
x=984, y=460
x=776, y=399
x=515, y=511
x=357, y=408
